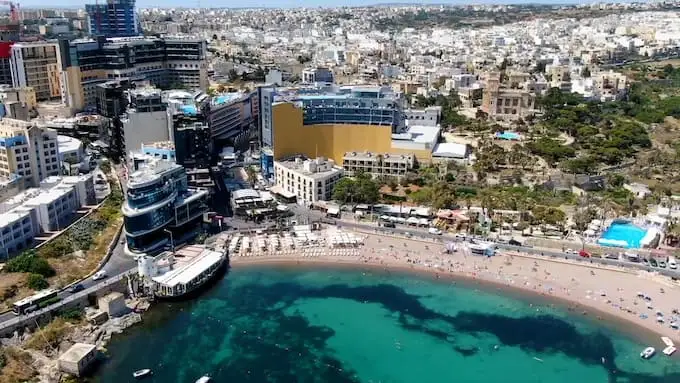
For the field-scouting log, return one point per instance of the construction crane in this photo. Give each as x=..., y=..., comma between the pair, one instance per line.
x=13, y=10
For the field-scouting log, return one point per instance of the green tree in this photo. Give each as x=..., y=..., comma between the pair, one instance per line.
x=37, y=282
x=345, y=190
x=368, y=189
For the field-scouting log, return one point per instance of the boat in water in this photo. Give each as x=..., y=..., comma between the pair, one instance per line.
x=178, y=274
x=647, y=353
x=204, y=379
x=139, y=374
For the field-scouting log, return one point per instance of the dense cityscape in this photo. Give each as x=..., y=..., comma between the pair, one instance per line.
x=143, y=151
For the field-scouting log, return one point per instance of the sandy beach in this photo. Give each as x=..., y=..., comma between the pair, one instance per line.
x=601, y=292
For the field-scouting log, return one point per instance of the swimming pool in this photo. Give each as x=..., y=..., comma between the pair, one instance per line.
x=508, y=135
x=623, y=234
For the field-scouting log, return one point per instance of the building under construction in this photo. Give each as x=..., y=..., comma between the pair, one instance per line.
x=113, y=18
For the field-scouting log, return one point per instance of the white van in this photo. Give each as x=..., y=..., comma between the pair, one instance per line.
x=672, y=263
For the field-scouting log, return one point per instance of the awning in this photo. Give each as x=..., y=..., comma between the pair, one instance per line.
x=276, y=189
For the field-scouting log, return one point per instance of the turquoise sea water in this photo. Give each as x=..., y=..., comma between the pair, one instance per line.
x=268, y=324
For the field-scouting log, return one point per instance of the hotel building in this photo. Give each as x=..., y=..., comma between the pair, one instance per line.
x=233, y=118
x=331, y=121
x=165, y=62
x=159, y=202
x=377, y=165
x=38, y=65
x=308, y=180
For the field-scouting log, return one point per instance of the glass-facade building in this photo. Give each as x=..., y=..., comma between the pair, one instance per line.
x=113, y=18
x=354, y=105
x=159, y=200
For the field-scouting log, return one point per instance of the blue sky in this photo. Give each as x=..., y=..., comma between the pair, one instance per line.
x=286, y=3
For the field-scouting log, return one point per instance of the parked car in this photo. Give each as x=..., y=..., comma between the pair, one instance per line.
x=434, y=230
x=570, y=251
x=388, y=224
x=101, y=274
x=584, y=254
x=75, y=288
x=514, y=242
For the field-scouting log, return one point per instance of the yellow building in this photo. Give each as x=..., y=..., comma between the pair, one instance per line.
x=292, y=137
x=323, y=140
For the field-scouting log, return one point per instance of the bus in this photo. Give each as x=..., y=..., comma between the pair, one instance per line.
x=29, y=304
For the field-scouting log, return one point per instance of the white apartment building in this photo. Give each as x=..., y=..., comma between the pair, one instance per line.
x=17, y=230
x=429, y=116
x=602, y=86
x=27, y=151
x=83, y=185
x=48, y=208
x=55, y=207
x=377, y=165
x=309, y=180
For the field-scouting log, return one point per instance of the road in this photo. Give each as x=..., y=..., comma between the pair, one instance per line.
x=119, y=263
x=414, y=232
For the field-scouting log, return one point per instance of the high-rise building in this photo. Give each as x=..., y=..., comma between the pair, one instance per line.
x=164, y=62
x=113, y=18
x=111, y=102
x=27, y=151
x=38, y=65
x=160, y=205
x=193, y=146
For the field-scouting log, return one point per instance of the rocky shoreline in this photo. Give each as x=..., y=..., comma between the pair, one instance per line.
x=46, y=345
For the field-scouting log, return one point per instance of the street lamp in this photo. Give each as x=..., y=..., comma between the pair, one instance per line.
x=172, y=242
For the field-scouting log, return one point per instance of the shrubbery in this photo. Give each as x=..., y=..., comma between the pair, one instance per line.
x=30, y=262
x=37, y=282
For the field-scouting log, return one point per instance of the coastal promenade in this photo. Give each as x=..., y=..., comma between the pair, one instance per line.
x=118, y=265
